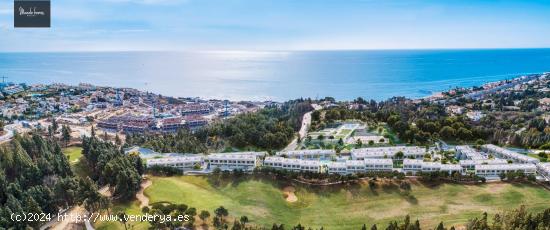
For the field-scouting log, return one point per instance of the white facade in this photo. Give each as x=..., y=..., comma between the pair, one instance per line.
x=468, y=153
x=283, y=163
x=388, y=152
x=509, y=154
x=413, y=166
x=310, y=166
x=471, y=164
x=496, y=170
x=311, y=154
x=544, y=170
x=340, y=167
x=245, y=161
x=337, y=168
x=378, y=165
x=183, y=163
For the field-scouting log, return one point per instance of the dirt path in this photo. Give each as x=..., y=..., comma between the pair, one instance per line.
x=74, y=216
x=289, y=194
x=144, y=200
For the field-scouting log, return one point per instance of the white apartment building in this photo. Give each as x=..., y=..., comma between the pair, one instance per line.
x=310, y=166
x=468, y=153
x=245, y=161
x=414, y=166
x=355, y=166
x=283, y=163
x=378, y=165
x=471, y=164
x=337, y=168
x=509, y=154
x=496, y=170
x=388, y=152
x=544, y=170
x=310, y=154
x=183, y=163
x=340, y=167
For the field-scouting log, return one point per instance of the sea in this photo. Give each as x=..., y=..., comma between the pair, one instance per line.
x=279, y=75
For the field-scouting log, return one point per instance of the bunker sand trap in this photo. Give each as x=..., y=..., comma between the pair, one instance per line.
x=289, y=194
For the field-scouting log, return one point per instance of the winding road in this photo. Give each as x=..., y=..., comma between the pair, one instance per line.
x=306, y=122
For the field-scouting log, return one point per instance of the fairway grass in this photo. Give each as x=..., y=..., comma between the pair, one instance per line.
x=345, y=207
x=73, y=154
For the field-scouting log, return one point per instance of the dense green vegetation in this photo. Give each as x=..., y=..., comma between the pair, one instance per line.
x=73, y=154
x=272, y=127
x=35, y=177
x=110, y=166
x=422, y=123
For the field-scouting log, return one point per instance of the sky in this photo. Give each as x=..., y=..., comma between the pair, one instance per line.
x=123, y=25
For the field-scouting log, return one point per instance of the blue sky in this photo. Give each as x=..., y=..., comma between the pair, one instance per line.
x=109, y=25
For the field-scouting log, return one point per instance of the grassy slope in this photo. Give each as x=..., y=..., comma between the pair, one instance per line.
x=73, y=153
x=350, y=207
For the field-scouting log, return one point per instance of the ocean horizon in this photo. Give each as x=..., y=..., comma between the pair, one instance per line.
x=279, y=75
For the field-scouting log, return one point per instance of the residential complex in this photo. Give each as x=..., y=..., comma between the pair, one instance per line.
x=388, y=152
x=495, y=170
x=509, y=154
x=246, y=161
x=358, y=161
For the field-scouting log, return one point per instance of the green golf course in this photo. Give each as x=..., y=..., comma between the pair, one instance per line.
x=340, y=207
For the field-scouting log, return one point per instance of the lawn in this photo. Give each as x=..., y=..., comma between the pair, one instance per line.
x=73, y=153
x=76, y=160
x=345, y=207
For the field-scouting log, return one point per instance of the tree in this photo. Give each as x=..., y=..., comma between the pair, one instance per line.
x=440, y=226
x=117, y=140
x=221, y=212
x=359, y=143
x=122, y=218
x=66, y=134
x=399, y=155
x=244, y=220
x=55, y=126
x=340, y=142
x=204, y=215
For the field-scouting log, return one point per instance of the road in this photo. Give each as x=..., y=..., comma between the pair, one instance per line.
x=306, y=122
